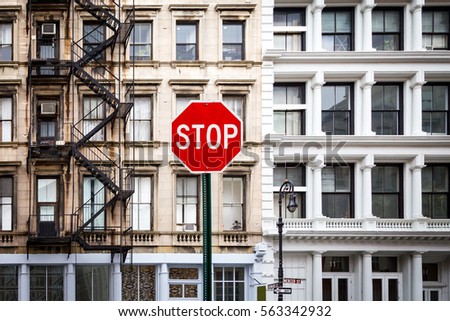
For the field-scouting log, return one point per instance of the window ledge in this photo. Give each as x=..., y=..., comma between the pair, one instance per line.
x=12, y=64
x=236, y=63
x=188, y=63
x=9, y=145
x=143, y=63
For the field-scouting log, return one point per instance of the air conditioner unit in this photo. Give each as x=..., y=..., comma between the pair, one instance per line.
x=189, y=227
x=48, y=108
x=48, y=29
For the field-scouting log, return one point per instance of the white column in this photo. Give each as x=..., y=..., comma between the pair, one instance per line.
x=164, y=283
x=416, y=186
x=367, y=289
x=317, y=276
x=416, y=277
x=317, y=7
x=24, y=291
x=366, y=120
x=416, y=25
x=316, y=167
x=70, y=283
x=117, y=282
x=416, y=109
x=366, y=170
x=366, y=10
x=316, y=86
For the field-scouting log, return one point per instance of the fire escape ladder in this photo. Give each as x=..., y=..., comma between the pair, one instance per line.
x=90, y=68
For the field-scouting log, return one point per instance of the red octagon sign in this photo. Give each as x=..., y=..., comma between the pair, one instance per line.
x=206, y=136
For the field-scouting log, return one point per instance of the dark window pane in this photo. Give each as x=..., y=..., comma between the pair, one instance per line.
x=342, y=43
x=342, y=289
x=426, y=205
x=440, y=206
x=440, y=179
x=430, y=272
x=326, y=290
x=393, y=289
x=391, y=206
x=377, y=290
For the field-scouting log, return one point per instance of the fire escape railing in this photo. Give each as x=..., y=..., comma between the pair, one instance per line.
x=90, y=67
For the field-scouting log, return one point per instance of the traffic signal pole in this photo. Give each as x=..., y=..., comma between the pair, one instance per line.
x=207, y=236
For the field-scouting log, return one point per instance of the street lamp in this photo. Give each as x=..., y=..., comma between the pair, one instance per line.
x=286, y=188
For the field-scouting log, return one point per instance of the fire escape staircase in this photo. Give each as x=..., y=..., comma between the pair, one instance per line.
x=90, y=70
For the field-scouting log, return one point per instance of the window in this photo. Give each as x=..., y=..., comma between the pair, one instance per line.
x=289, y=29
x=233, y=47
x=337, y=29
x=46, y=283
x=435, y=115
x=337, y=104
x=187, y=41
x=335, y=264
x=435, y=191
x=6, y=119
x=233, y=203
x=295, y=173
x=184, y=283
x=386, y=109
x=6, y=53
x=138, y=283
x=142, y=203
x=6, y=203
x=387, y=29
x=436, y=28
x=9, y=281
x=288, y=118
x=385, y=281
x=337, y=189
x=387, y=191
x=92, y=283
x=47, y=46
x=47, y=205
x=93, y=36
x=140, y=126
x=141, y=41
x=187, y=203
x=336, y=279
x=183, y=101
x=229, y=284
x=236, y=104
x=94, y=114
x=384, y=264
x=430, y=272
x=94, y=201
x=47, y=121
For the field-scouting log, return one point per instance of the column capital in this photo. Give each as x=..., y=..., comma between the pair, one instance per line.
x=317, y=163
x=317, y=5
x=416, y=5
x=368, y=80
x=417, y=168
x=367, y=5
x=368, y=253
x=418, y=253
x=318, y=80
x=418, y=163
x=317, y=253
x=418, y=80
x=367, y=168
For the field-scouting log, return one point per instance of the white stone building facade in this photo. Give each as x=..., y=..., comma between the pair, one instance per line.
x=355, y=115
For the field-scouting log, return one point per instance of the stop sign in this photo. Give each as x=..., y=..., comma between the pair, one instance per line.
x=206, y=136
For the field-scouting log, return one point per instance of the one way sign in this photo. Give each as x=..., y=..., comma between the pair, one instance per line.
x=282, y=290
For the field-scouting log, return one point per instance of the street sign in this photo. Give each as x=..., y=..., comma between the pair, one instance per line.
x=206, y=136
x=282, y=291
x=273, y=286
x=292, y=280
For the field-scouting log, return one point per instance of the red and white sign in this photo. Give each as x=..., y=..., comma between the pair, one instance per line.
x=206, y=136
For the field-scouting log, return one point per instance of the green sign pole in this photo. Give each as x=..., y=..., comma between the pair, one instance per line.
x=207, y=242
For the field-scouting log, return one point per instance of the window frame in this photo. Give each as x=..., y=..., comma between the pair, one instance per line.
x=4, y=120
x=237, y=44
x=399, y=193
x=97, y=27
x=242, y=226
x=99, y=222
x=194, y=23
x=287, y=31
x=134, y=44
x=10, y=45
x=87, y=116
x=181, y=225
x=10, y=291
x=223, y=283
x=47, y=286
x=299, y=190
x=384, y=33
x=136, y=124
x=57, y=205
x=350, y=111
x=350, y=193
x=4, y=203
x=434, y=10
x=433, y=110
x=135, y=195
x=335, y=34
x=433, y=193
x=383, y=111
x=286, y=107
x=92, y=287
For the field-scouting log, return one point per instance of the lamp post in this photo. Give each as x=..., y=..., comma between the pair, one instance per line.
x=286, y=188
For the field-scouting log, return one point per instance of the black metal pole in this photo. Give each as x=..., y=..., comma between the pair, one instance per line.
x=207, y=235
x=287, y=187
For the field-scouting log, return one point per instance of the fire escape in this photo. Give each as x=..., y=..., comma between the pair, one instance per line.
x=101, y=222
